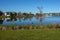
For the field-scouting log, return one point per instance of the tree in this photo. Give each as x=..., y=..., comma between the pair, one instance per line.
x=41, y=15
x=1, y=13
x=40, y=9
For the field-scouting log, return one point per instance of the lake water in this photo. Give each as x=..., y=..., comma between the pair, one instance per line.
x=29, y=21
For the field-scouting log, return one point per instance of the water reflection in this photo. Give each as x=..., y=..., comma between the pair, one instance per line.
x=1, y=20
x=30, y=21
x=10, y=19
x=19, y=19
x=41, y=19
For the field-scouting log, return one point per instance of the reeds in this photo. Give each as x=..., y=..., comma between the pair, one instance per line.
x=30, y=27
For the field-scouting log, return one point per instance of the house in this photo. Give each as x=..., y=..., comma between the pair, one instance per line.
x=11, y=14
x=8, y=13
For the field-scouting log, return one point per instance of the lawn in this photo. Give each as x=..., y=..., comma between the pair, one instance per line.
x=42, y=34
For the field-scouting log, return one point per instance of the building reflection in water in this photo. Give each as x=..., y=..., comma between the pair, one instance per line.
x=10, y=19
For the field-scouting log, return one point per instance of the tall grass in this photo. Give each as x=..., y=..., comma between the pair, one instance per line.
x=29, y=27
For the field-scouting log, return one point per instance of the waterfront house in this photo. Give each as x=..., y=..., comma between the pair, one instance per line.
x=8, y=13
x=12, y=14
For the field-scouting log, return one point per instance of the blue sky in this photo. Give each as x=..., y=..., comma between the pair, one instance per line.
x=30, y=5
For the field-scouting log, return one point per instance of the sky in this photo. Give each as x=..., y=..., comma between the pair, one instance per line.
x=30, y=5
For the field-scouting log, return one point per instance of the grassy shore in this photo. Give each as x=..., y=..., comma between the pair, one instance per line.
x=30, y=32
x=41, y=34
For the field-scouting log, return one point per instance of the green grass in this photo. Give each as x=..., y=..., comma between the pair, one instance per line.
x=42, y=34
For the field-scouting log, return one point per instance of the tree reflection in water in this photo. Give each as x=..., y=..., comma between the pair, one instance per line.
x=41, y=19
x=1, y=20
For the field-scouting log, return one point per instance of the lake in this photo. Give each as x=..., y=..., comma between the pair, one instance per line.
x=30, y=21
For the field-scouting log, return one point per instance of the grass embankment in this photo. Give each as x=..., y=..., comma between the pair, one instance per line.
x=42, y=34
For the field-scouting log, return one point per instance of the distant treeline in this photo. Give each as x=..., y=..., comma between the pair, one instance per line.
x=25, y=14
x=15, y=14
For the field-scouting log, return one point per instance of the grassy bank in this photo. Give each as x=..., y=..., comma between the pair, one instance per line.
x=42, y=34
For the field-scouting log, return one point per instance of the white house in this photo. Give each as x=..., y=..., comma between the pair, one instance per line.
x=7, y=13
